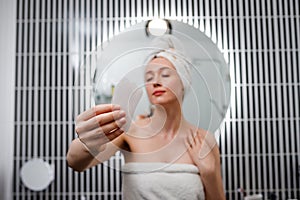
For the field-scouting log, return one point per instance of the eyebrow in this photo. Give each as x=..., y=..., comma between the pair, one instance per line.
x=160, y=69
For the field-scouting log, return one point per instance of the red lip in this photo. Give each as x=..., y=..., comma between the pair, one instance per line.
x=158, y=92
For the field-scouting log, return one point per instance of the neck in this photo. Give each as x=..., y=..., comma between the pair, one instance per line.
x=169, y=117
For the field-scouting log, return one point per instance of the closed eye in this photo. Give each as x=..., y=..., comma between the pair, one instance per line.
x=149, y=79
x=165, y=72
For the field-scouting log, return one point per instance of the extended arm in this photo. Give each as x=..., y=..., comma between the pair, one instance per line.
x=99, y=136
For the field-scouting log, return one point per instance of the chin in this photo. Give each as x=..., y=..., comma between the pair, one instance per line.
x=163, y=101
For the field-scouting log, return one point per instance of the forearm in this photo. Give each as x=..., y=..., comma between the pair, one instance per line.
x=78, y=156
x=213, y=186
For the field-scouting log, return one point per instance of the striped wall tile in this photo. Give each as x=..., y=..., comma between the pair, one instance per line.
x=260, y=140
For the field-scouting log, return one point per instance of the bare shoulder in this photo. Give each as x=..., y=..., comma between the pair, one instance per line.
x=200, y=131
x=137, y=129
x=210, y=143
x=208, y=138
x=134, y=130
x=204, y=133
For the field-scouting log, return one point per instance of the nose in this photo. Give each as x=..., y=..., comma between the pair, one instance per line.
x=156, y=84
x=156, y=81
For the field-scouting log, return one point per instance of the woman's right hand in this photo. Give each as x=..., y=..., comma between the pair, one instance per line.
x=99, y=125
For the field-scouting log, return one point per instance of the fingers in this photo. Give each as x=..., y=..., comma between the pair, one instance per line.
x=99, y=125
x=187, y=144
x=193, y=139
x=198, y=139
x=99, y=121
x=108, y=128
x=106, y=118
x=200, y=145
x=97, y=137
x=101, y=131
x=109, y=117
x=96, y=110
x=208, y=144
x=114, y=134
x=190, y=140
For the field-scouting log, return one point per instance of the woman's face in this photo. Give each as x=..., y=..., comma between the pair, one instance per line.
x=163, y=84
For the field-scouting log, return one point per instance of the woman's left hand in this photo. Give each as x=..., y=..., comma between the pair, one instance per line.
x=201, y=148
x=204, y=152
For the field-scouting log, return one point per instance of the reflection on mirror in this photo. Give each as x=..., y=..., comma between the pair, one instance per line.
x=124, y=57
x=158, y=27
x=37, y=174
x=170, y=90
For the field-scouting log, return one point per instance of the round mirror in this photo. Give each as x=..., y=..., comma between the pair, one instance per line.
x=37, y=174
x=123, y=57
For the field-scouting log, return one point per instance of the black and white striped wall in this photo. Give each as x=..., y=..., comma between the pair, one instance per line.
x=260, y=139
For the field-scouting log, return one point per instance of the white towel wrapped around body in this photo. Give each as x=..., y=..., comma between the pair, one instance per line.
x=161, y=181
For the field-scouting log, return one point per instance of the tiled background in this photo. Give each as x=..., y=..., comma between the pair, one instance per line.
x=260, y=139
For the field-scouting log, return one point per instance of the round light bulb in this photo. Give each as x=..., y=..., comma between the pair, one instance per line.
x=157, y=27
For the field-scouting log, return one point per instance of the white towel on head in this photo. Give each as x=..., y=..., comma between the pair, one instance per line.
x=169, y=47
x=161, y=181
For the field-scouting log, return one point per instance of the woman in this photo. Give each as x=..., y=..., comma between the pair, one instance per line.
x=165, y=156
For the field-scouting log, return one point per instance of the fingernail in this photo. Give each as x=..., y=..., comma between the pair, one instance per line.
x=122, y=120
x=122, y=113
x=116, y=107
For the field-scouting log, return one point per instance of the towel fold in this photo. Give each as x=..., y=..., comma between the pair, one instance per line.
x=161, y=181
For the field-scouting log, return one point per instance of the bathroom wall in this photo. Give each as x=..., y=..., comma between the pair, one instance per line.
x=260, y=139
x=7, y=68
